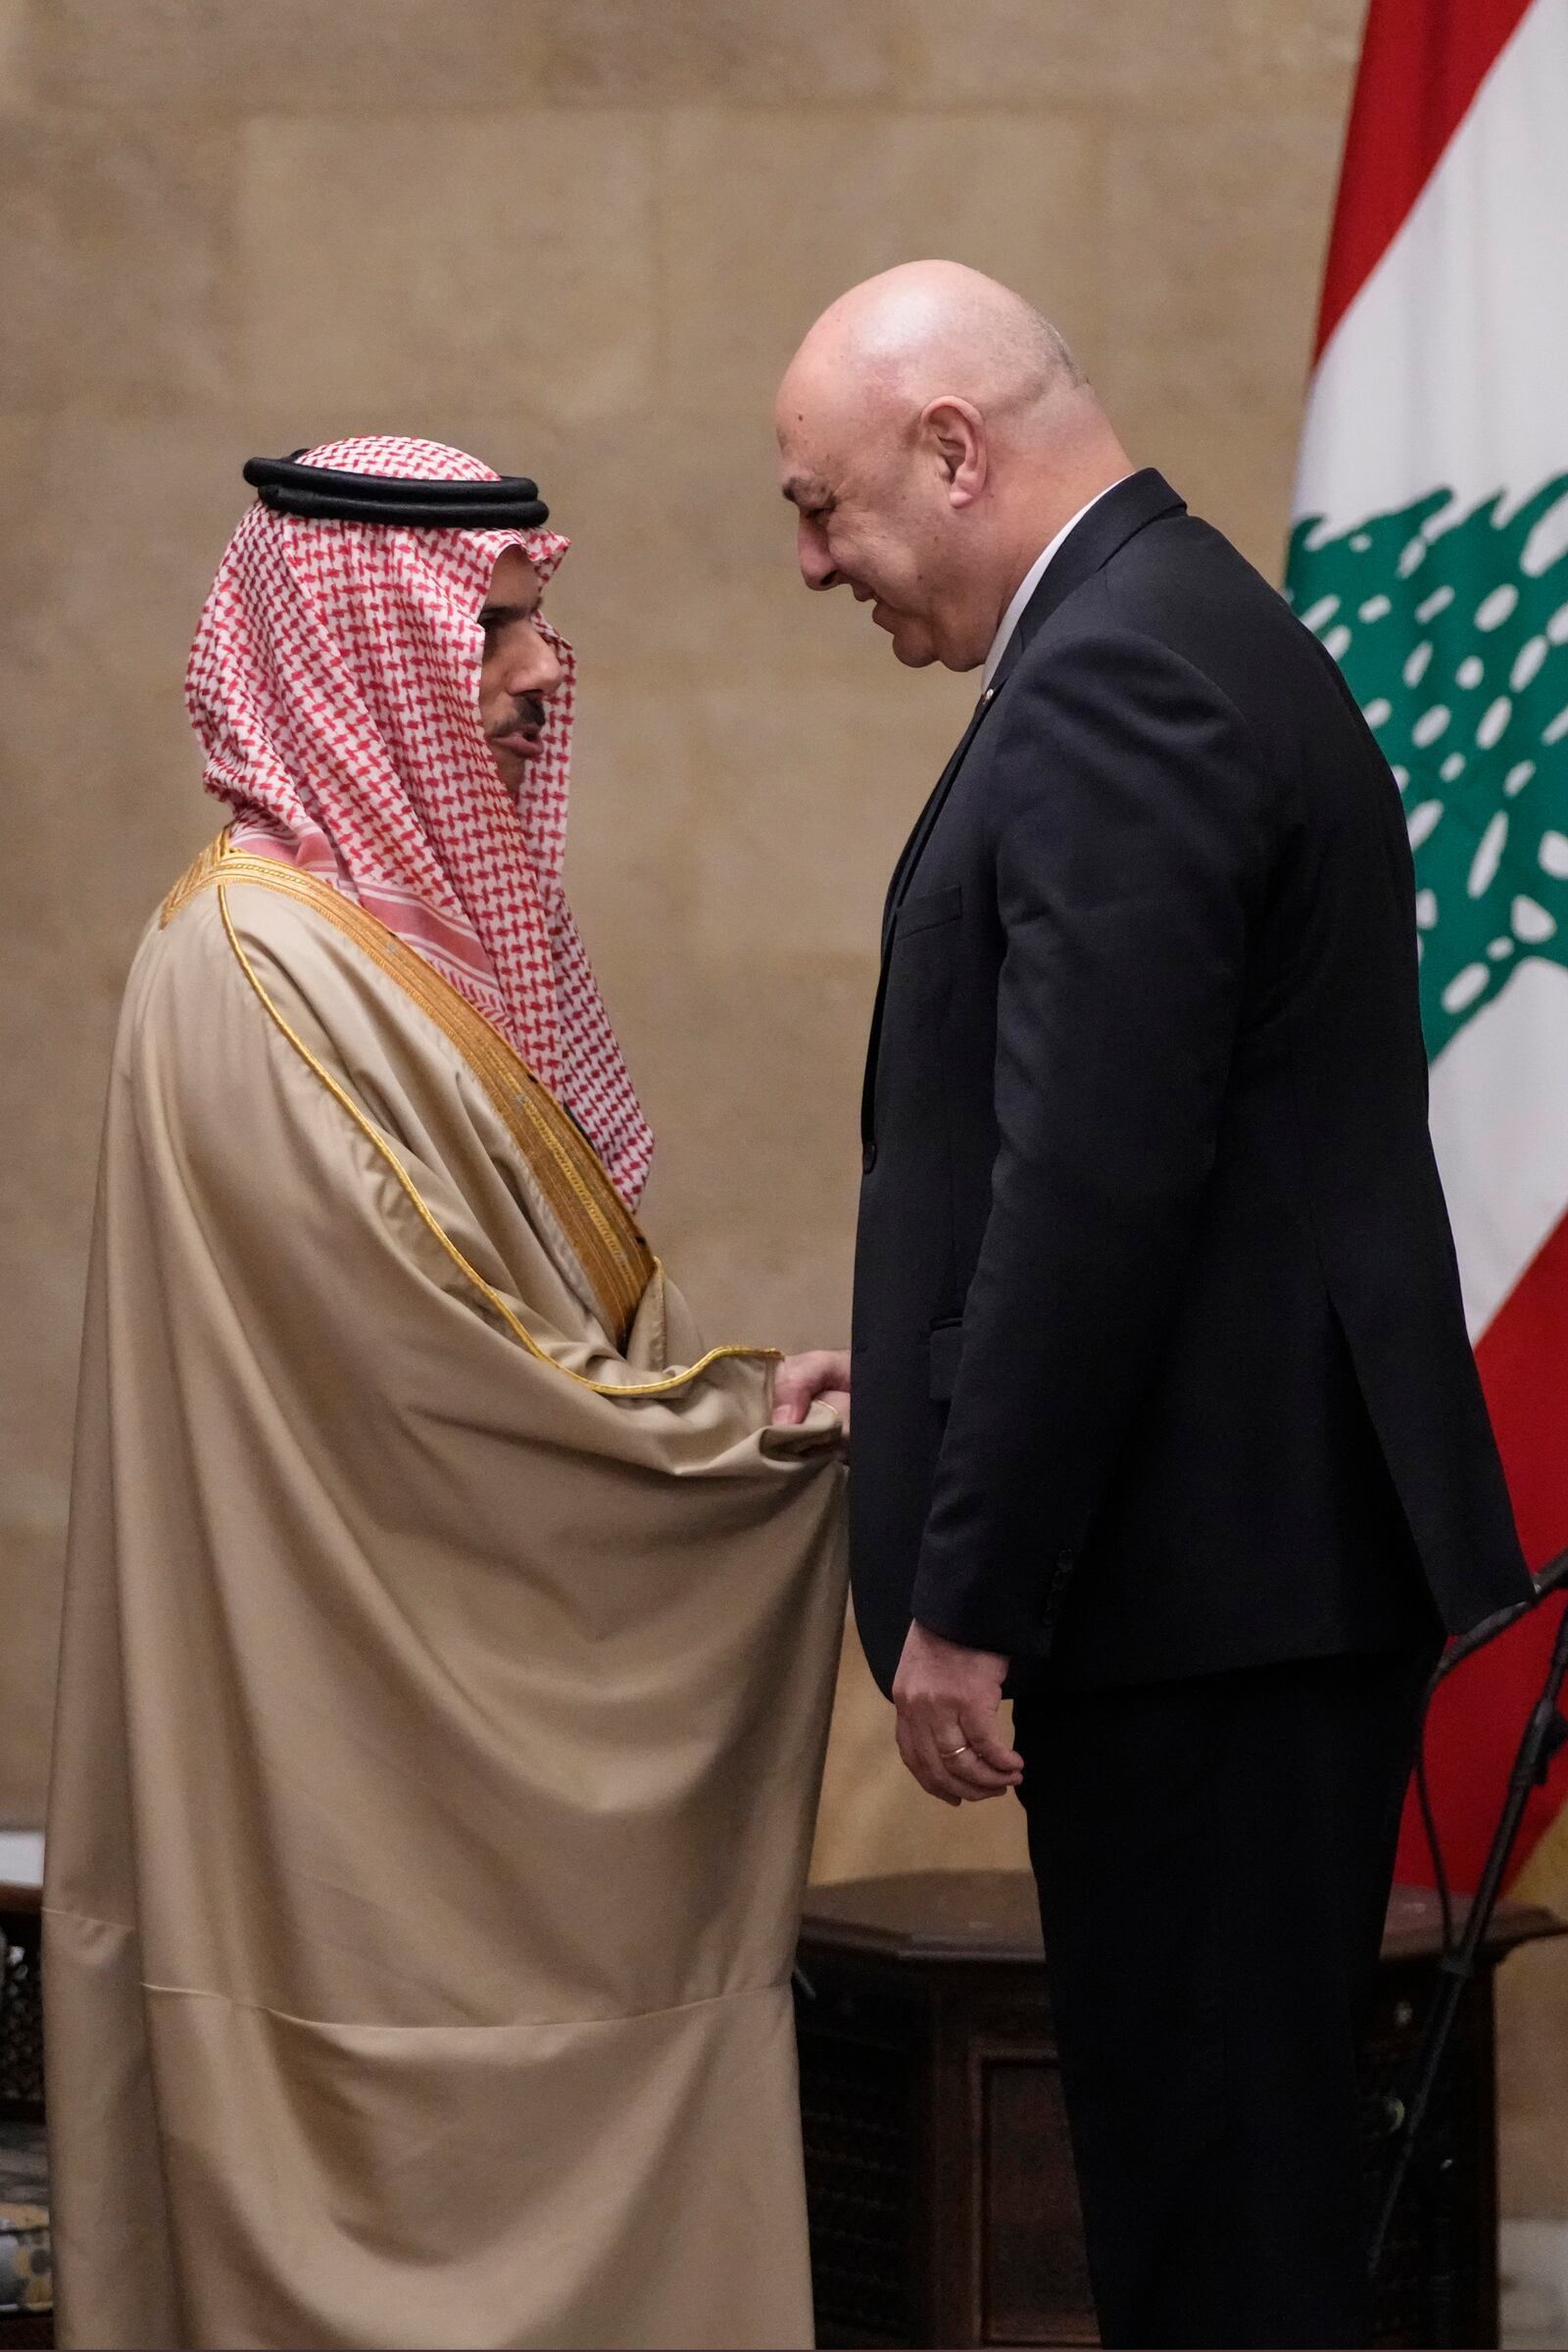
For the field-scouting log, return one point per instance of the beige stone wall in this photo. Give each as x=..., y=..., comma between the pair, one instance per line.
x=581, y=238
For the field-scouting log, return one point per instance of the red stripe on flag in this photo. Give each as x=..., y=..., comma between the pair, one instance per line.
x=1422, y=62
x=1480, y=1712
x=1523, y=1358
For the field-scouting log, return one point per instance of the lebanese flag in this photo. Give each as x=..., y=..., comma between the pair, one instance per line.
x=1431, y=557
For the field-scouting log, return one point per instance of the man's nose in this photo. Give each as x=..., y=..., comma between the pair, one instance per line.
x=817, y=565
x=537, y=670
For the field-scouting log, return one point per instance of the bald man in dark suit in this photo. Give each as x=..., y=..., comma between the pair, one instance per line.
x=1166, y=1420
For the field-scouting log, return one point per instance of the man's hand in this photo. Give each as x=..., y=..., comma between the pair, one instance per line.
x=947, y=1701
x=801, y=1379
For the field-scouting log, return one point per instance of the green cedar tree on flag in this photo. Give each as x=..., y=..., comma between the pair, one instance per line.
x=1430, y=555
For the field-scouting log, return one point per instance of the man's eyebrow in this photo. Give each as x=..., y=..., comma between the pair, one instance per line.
x=491, y=611
x=804, y=490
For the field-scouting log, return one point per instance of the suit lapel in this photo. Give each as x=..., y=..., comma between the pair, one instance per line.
x=902, y=873
x=910, y=854
x=1142, y=498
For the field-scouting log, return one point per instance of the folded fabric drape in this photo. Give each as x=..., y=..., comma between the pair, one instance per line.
x=448, y=1654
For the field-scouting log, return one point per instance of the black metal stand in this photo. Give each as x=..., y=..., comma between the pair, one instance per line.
x=1544, y=1734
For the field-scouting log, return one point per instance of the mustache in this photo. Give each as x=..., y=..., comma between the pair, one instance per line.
x=529, y=712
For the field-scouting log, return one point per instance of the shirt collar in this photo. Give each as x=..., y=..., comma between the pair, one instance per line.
x=1030, y=582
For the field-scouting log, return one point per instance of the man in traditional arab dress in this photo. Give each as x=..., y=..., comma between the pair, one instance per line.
x=448, y=1640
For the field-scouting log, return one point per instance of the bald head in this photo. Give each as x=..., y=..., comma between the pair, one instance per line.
x=935, y=430
x=929, y=327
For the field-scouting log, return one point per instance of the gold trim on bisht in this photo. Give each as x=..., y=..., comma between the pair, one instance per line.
x=575, y=1184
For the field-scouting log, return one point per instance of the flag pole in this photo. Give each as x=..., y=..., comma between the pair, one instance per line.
x=1544, y=1734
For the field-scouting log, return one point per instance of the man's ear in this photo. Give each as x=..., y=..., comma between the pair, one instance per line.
x=954, y=432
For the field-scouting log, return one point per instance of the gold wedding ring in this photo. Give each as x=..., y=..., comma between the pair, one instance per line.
x=948, y=1753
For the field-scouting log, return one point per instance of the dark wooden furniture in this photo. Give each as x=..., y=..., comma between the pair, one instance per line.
x=21, y=2161
x=943, y=2203
x=20, y=2005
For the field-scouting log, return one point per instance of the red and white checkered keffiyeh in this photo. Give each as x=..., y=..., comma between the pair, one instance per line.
x=334, y=683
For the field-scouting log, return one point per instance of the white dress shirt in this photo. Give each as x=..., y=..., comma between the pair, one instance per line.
x=1030, y=582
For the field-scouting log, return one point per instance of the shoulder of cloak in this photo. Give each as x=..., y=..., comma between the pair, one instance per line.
x=382, y=1027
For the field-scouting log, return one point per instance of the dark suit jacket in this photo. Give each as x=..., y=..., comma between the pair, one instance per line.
x=1160, y=1366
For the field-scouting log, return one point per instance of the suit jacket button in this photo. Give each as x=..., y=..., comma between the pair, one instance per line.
x=868, y=1159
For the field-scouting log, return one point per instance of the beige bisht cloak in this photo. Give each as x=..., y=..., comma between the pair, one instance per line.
x=446, y=1677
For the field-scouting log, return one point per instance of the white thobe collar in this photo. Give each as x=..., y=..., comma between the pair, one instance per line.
x=1031, y=581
